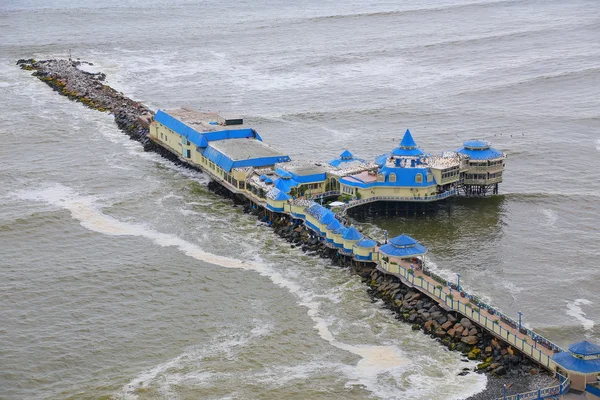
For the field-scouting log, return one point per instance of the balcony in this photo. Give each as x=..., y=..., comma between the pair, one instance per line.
x=489, y=181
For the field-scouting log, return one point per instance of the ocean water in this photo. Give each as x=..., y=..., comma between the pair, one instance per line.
x=122, y=276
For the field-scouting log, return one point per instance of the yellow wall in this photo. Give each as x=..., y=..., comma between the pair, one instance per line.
x=349, y=243
x=276, y=204
x=363, y=251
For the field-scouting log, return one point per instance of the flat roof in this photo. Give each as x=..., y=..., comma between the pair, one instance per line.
x=200, y=121
x=244, y=149
x=304, y=168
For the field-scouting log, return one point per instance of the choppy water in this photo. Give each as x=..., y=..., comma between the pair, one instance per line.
x=122, y=276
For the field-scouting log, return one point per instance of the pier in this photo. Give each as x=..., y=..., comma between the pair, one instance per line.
x=284, y=192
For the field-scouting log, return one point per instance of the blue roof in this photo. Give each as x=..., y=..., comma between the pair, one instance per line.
x=263, y=177
x=341, y=231
x=333, y=225
x=380, y=160
x=285, y=185
x=327, y=218
x=476, y=144
x=408, y=147
x=403, y=241
x=569, y=362
x=410, y=251
x=317, y=211
x=283, y=173
x=277, y=195
x=585, y=348
x=403, y=246
x=479, y=150
x=345, y=157
x=366, y=243
x=407, y=140
x=352, y=234
x=268, y=180
x=309, y=178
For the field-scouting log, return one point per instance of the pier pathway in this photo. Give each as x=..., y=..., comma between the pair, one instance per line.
x=452, y=300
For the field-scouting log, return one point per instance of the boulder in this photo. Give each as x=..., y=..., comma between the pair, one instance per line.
x=473, y=332
x=447, y=325
x=459, y=329
x=466, y=323
x=499, y=371
x=488, y=350
x=470, y=340
x=451, y=332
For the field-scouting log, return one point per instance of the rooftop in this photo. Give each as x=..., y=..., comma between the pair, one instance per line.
x=302, y=168
x=202, y=121
x=245, y=149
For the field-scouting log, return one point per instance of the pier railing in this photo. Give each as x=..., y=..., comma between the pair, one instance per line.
x=556, y=390
x=495, y=322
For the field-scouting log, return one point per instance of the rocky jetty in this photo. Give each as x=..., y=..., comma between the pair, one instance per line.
x=68, y=78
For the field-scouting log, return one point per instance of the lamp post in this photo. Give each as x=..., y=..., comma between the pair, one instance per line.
x=458, y=282
x=385, y=236
x=520, y=316
x=505, y=391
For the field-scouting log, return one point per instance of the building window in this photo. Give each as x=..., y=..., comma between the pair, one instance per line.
x=187, y=153
x=380, y=178
x=429, y=177
x=419, y=178
x=242, y=185
x=184, y=141
x=392, y=177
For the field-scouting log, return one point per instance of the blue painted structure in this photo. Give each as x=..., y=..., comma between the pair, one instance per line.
x=408, y=147
x=582, y=357
x=345, y=157
x=202, y=141
x=403, y=246
x=479, y=150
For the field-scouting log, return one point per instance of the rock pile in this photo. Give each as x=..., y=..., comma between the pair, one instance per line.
x=453, y=330
x=65, y=77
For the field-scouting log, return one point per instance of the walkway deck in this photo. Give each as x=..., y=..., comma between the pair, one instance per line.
x=492, y=323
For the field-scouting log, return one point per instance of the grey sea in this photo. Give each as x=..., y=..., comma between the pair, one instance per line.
x=122, y=276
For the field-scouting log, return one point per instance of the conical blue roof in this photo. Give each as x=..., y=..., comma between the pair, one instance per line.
x=333, y=225
x=346, y=155
x=268, y=180
x=403, y=241
x=407, y=141
x=341, y=230
x=352, y=234
x=327, y=218
x=366, y=243
x=408, y=147
x=585, y=348
x=263, y=177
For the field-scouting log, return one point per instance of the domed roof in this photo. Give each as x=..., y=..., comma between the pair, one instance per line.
x=479, y=150
x=403, y=241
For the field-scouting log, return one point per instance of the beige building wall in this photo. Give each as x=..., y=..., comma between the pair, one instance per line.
x=382, y=191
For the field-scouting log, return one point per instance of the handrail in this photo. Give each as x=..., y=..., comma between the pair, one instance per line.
x=561, y=388
x=489, y=324
x=355, y=203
